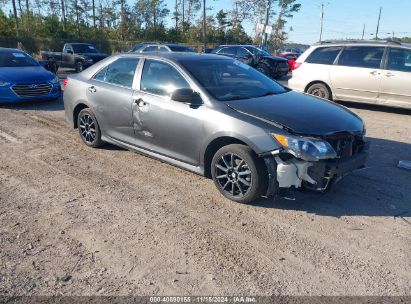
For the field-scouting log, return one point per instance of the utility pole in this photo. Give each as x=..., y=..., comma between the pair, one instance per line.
x=204, y=25
x=183, y=15
x=176, y=14
x=321, y=21
x=94, y=15
x=363, y=32
x=16, y=18
x=267, y=17
x=63, y=13
x=378, y=24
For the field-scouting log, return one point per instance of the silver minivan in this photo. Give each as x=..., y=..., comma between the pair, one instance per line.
x=377, y=72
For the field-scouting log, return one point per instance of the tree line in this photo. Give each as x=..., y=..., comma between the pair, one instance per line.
x=115, y=25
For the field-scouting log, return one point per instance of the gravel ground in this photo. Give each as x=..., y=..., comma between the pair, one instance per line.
x=81, y=221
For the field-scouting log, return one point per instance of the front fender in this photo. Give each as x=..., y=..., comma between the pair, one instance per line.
x=260, y=142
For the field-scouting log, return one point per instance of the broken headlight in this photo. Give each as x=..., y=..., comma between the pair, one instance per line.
x=310, y=149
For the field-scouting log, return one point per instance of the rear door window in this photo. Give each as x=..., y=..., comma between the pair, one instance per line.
x=323, y=55
x=362, y=56
x=121, y=72
x=399, y=60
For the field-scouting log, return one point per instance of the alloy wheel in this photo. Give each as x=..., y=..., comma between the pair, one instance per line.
x=233, y=175
x=87, y=128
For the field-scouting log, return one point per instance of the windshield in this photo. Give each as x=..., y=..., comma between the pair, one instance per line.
x=257, y=51
x=231, y=80
x=181, y=48
x=16, y=59
x=84, y=48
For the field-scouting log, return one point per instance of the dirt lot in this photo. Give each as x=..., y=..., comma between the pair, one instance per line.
x=81, y=221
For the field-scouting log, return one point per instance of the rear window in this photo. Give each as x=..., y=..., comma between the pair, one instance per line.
x=120, y=72
x=323, y=55
x=362, y=56
x=181, y=48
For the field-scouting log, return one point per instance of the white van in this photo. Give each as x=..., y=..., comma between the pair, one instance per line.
x=377, y=72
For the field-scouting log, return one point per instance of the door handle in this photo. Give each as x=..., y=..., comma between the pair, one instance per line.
x=374, y=73
x=389, y=75
x=140, y=102
x=92, y=89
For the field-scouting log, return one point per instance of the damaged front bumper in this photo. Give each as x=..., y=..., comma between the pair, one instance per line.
x=290, y=172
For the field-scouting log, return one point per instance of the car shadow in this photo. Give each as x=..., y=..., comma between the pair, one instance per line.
x=381, y=189
x=52, y=105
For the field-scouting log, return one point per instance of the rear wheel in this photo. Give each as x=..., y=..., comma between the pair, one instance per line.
x=89, y=129
x=320, y=90
x=238, y=173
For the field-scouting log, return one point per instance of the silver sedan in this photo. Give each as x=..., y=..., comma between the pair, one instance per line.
x=217, y=117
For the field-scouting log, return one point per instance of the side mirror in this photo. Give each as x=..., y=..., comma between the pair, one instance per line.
x=187, y=96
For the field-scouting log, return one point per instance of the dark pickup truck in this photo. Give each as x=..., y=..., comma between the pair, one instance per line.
x=75, y=55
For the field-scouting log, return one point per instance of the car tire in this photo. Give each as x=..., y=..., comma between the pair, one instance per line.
x=263, y=68
x=89, y=129
x=238, y=173
x=319, y=90
x=79, y=66
x=52, y=66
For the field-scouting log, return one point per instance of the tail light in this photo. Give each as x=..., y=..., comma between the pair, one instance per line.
x=65, y=83
x=296, y=65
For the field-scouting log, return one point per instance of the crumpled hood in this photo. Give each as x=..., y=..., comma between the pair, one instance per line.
x=301, y=113
x=34, y=74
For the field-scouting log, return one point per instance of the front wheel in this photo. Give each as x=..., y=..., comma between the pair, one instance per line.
x=319, y=90
x=262, y=68
x=238, y=173
x=89, y=129
x=79, y=66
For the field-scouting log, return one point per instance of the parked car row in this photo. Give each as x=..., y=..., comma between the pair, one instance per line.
x=217, y=115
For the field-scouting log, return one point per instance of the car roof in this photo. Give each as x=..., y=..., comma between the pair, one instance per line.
x=389, y=42
x=8, y=50
x=176, y=56
x=242, y=45
x=84, y=43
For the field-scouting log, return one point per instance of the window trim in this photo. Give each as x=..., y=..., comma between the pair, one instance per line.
x=241, y=47
x=177, y=68
x=227, y=47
